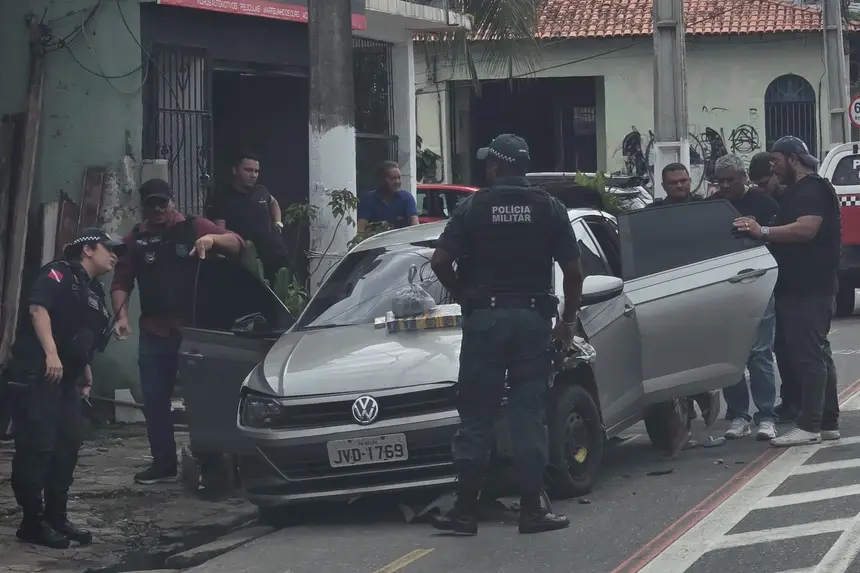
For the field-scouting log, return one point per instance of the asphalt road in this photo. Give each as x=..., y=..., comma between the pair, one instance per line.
x=719, y=509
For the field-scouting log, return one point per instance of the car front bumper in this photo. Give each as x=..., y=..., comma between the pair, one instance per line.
x=292, y=466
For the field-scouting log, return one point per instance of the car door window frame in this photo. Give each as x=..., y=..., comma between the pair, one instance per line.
x=629, y=252
x=585, y=239
x=613, y=248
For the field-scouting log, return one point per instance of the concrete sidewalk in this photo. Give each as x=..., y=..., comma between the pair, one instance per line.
x=130, y=522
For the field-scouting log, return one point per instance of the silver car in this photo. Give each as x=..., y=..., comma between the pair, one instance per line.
x=337, y=407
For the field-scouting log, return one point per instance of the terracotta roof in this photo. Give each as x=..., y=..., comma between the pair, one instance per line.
x=630, y=18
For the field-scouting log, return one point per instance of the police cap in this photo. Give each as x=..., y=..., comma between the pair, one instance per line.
x=91, y=236
x=507, y=147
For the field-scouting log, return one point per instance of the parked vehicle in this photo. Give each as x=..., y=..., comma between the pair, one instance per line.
x=336, y=407
x=842, y=167
x=630, y=190
x=436, y=201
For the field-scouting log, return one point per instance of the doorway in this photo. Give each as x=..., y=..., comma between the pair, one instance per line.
x=265, y=113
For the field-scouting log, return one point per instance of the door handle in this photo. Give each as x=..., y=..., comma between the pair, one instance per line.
x=747, y=274
x=191, y=355
x=628, y=309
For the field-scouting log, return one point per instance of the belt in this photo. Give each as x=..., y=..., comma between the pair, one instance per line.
x=511, y=302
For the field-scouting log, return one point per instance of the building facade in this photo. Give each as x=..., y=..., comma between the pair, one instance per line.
x=754, y=73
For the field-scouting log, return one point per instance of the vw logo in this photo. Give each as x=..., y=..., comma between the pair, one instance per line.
x=365, y=410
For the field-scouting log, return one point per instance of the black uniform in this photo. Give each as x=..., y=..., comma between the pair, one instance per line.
x=46, y=415
x=505, y=239
x=666, y=201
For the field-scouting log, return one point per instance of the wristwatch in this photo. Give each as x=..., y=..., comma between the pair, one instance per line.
x=765, y=233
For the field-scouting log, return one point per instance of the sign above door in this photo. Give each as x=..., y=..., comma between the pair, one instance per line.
x=288, y=10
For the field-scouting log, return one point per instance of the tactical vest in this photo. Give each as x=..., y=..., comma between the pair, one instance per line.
x=510, y=249
x=165, y=268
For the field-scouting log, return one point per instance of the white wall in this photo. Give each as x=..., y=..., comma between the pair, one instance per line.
x=726, y=81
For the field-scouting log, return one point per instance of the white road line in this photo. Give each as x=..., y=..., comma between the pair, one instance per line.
x=842, y=553
x=828, y=467
x=780, y=533
x=843, y=442
x=807, y=496
x=852, y=404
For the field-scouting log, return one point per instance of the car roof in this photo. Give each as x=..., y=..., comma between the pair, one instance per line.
x=428, y=232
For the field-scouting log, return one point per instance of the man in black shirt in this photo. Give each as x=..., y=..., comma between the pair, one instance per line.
x=762, y=176
x=805, y=239
x=677, y=184
x=731, y=180
x=249, y=210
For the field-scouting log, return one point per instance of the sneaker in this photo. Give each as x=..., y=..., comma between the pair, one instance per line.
x=796, y=437
x=740, y=428
x=154, y=474
x=766, y=430
x=830, y=435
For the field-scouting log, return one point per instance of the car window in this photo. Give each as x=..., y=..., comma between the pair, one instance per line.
x=422, y=197
x=664, y=238
x=362, y=287
x=589, y=254
x=227, y=291
x=847, y=171
x=606, y=234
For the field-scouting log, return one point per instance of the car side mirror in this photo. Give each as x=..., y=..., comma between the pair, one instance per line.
x=600, y=288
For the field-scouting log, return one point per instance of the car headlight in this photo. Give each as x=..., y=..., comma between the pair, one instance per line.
x=260, y=412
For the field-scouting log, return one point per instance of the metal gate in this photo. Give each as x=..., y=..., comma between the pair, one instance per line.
x=789, y=109
x=177, y=124
x=374, y=109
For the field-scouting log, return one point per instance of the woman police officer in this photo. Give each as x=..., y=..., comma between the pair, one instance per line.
x=69, y=320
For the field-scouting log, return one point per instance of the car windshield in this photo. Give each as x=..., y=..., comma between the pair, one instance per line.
x=362, y=287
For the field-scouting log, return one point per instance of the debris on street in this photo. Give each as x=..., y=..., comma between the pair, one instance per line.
x=135, y=527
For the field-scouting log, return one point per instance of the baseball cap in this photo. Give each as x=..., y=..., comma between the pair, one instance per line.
x=790, y=144
x=507, y=147
x=91, y=235
x=155, y=188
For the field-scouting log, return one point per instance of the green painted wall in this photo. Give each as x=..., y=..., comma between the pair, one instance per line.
x=87, y=120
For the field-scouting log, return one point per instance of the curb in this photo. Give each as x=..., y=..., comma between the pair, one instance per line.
x=229, y=542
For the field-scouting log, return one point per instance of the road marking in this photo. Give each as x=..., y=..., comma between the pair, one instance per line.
x=852, y=404
x=781, y=533
x=729, y=499
x=407, y=559
x=828, y=467
x=807, y=496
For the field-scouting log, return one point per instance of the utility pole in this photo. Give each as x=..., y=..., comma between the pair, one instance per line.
x=837, y=79
x=670, y=89
x=331, y=130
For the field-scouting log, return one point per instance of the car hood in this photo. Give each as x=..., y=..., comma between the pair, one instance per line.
x=357, y=359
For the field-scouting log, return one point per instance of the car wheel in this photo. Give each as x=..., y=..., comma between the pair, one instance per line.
x=661, y=421
x=845, y=299
x=576, y=442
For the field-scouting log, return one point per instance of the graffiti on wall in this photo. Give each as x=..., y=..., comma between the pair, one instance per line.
x=707, y=144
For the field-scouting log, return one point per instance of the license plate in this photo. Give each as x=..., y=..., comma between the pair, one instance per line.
x=365, y=451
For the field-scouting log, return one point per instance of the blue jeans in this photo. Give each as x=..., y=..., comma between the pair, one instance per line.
x=158, y=361
x=762, y=375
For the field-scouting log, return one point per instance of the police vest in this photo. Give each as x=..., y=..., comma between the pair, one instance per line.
x=165, y=268
x=510, y=249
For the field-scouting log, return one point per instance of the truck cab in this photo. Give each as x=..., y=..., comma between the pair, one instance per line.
x=841, y=167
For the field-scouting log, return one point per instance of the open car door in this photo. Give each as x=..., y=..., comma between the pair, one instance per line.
x=237, y=319
x=700, y=293
x=611, y=327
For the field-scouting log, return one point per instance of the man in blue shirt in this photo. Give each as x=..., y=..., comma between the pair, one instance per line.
x=388, y=203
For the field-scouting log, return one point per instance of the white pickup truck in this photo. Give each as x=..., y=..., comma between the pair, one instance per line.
x=842, y=167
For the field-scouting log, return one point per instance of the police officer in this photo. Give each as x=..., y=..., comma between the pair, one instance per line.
x=68, y=321
x=504, y=239
x=678, y=186
x=162, y=256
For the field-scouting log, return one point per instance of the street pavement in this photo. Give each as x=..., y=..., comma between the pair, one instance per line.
x=740, y=506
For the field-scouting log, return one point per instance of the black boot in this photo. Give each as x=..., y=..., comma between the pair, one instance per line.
x=535, y=519
x=36, y=531
x=55, y=515
x=464, y=517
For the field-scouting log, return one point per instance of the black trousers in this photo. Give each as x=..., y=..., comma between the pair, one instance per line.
x=46, y=419
x=807, y=360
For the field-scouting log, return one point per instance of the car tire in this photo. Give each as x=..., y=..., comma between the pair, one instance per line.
x=845, y=299
x=574, y=424
x=660, y=425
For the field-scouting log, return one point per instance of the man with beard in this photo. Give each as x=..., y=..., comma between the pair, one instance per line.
x=805, y=240
x=248, y=209
x=731, y=182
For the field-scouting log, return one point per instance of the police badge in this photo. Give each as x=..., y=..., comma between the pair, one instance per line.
x=149, y=258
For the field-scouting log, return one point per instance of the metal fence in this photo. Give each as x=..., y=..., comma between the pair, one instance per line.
x=790, y=109
x=374, y=109
x=178, y=121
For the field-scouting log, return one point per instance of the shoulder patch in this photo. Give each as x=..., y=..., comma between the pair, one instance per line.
x=55, y=275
